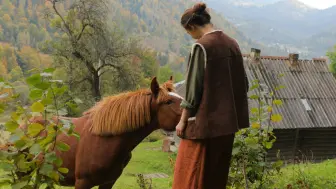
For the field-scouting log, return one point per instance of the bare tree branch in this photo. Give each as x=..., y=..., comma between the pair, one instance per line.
x=58, y=14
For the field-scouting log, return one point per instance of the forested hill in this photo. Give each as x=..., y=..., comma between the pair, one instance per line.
x=156, y=23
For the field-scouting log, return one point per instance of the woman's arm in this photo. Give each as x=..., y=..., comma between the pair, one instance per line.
x=194, y=83
x=194, y=87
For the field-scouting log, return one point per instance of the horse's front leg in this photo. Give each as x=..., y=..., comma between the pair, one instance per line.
x=83, y=184
x=117, y=173
x=106, y=186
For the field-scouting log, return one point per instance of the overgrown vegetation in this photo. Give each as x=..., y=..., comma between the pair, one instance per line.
x=332, y=57
x=249, y=165
x=29, y=160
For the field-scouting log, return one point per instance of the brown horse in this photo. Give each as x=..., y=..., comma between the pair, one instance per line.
x=111, y=129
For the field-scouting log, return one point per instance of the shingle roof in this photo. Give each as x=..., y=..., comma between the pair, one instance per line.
x=308, y=85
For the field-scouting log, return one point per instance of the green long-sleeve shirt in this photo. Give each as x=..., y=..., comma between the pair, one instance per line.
x=194, y=80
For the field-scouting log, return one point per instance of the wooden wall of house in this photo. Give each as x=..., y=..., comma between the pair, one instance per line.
x=311, y=144
x=284, y=144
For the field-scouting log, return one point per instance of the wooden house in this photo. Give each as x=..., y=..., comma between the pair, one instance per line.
x=308, y=128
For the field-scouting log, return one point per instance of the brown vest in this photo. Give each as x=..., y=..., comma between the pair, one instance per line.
x=224, y=105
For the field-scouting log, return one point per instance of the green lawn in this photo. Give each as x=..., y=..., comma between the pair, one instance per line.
x=148, y=158
x=316, y=176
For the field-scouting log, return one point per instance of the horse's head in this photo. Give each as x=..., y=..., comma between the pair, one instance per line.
x=165, y=104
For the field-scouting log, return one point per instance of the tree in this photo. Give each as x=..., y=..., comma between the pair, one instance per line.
x=165, y=72
x=332, y=57
x=89, y=44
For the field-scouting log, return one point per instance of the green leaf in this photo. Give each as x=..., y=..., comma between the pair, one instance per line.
x=75, y=135
x=255, y=86
x=60, y=91
x=252, y=143
x=62, y=112
x=62, y=146
x=22, y=164
x=34, y=79
x=35, y=94
x=54, y=175
x=279, y=87
x=20, y=144
x=78, y=101
x=34, y=129
x=254, y=97
x=16, y=136
x=5, y=178
x=35, y=149
x=11, y=126
x=37, y=107
x=235, y=151
x=49, y=70
x=276, y=118
x=281, y=75
x=19, y=185
x=50, y=157
x=277, y=102
x=15, y=116
x=46, y=169
x=269, y=145
x=42, y=85
x=58, y=162
x=254, y=110
x=47, y=101
x=4, y=166
x=63, y=170
x=43, y=186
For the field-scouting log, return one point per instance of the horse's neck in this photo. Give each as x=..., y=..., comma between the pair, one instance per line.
x=138, y=136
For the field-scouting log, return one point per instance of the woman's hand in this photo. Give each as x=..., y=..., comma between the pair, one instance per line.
x=180, y=128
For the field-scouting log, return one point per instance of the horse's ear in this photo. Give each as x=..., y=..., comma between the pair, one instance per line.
x=155, y=87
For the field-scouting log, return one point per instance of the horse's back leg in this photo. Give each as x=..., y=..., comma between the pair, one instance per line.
x=83, y=184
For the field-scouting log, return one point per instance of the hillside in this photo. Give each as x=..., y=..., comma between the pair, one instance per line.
x=289, y=24
x=156, y=23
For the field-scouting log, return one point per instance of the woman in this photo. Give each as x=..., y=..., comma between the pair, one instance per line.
x=215, y=106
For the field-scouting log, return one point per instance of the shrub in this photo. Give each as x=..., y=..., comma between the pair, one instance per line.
x=30, y=160
x=249, y=166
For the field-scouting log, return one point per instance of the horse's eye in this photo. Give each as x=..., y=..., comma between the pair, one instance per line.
x=169, y=102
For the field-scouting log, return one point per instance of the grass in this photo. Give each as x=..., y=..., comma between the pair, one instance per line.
x=148, y=158
x=313, y=176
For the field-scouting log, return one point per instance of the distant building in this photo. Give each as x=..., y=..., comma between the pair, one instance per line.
x=308, y=128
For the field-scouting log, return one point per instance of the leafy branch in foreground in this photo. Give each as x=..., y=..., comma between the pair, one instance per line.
x=29, y=159
x=249, y=165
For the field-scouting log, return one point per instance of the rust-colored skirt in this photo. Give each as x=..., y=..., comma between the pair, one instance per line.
x=203, y=164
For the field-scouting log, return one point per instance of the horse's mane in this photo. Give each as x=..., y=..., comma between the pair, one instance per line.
x=123, y=113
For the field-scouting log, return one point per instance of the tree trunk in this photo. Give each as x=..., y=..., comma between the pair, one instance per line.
x=71, y=79
x=96, y=87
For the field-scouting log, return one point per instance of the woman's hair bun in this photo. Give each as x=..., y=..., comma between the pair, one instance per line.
x=199, y=8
